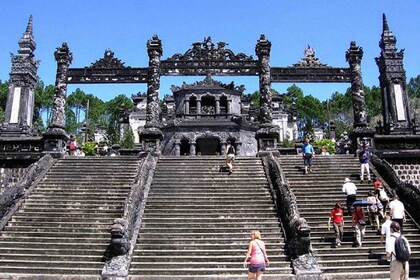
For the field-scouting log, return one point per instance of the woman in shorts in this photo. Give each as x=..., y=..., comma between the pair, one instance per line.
x=257, y=256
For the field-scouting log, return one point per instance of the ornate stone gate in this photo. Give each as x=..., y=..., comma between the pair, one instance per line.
x=202, y=59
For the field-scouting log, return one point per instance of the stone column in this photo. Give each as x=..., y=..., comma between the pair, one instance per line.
x=263, y=49
x=223, y=148
x=217, y=106
x=64, y=57
x=56, y=138
x=238, y=148
x=361, y=128
x=198, y=108
x=354, y=56
x=177, y=148
x=268, y=133
x=228, y=103
x=152, y=136
x=187, y=106
x=192, y=148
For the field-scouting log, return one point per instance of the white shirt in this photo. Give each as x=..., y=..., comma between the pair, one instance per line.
x=349, y=188
x=397, y=209
x=385, y=229
x=390, y=244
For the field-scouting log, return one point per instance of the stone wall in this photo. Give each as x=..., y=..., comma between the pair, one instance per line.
x=408, y=172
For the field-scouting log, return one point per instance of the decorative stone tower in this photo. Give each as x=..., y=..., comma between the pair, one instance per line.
x=21, y=97
x=267, y=134
x=392, y=79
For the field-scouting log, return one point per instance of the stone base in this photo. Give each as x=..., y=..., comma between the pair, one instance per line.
x=21, y=148
x=397, y=146
x=267, y=138
x=151, y=139
x=55, y=142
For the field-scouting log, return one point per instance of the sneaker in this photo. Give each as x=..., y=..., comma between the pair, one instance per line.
x=361, y=181
x=369, y=181
x=338, y=244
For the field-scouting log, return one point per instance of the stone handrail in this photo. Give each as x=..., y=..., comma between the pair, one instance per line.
x=296, y=229
x=125, y=230
x=13, y=197
x=408, y=193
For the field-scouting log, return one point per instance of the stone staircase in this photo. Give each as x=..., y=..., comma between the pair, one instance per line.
x=62, y=229
x=316, y=194
x=197, y=221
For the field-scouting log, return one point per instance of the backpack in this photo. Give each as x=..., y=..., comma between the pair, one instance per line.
x=72, y=146
x=402, y=253
x=382, y=195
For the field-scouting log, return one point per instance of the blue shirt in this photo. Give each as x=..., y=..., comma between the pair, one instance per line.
x=308, y=149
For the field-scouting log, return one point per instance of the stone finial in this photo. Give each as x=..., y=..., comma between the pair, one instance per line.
x=385, y=26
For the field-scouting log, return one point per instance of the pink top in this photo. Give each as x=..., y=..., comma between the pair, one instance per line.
x=257, y=256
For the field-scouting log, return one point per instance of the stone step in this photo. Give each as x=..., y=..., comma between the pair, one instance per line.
x=49, y=271
x=202, y=271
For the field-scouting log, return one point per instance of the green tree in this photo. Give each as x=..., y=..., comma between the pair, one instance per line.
x=4, y=90
x=127, y=142
x=413, y=87
x=112, y=113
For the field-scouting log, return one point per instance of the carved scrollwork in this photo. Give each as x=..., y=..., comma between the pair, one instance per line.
x=108, y=62
x=208, y=51
x=310, y=60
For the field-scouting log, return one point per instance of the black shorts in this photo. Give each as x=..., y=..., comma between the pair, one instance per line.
x=256, y=267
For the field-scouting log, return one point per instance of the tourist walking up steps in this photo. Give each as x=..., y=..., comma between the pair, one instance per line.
x=364, y=164
x=397, y=211
x=257, y=255
x=308, y=153
x=230, y=156
x=386, y=228
x=398, y=252
x=359, y=224
x=338, y=223
x=349, y=188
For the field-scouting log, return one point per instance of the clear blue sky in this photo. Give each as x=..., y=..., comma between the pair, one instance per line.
x=89, y=27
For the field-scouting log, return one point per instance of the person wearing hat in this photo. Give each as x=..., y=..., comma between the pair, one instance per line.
x=398, y=270
x=350, y=189
x=337, y=216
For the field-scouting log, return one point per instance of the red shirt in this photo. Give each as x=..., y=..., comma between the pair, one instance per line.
x=337, y=215
x=376, y=184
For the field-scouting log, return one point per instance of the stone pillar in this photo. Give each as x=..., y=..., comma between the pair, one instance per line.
x=228, y=103
x=55, y=139
x=21, y=96
x=177, y=148
x=64, y=57
x=217, y=106
x=354, y=56
x=268, y=133
x=263, y=49
x=192, y=148
x=198, y=108
x=238, y=148
x=361, y=128
x=152, y=136
x=223, y=148
x=187, y=106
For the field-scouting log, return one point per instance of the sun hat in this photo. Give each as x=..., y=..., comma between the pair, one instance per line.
x=346, y=180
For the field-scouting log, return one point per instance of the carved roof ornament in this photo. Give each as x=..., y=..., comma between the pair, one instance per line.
x=207, y=51
x=206, y=83
x=310, y=60
x=108, y=61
